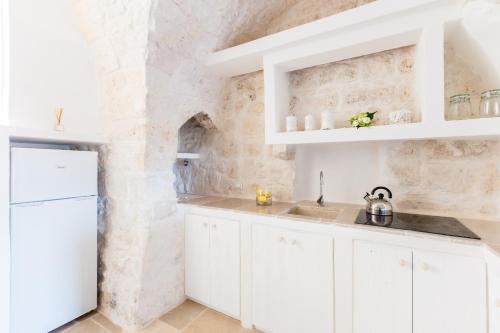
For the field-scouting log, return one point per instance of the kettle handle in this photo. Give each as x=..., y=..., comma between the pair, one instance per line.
x=382, y=188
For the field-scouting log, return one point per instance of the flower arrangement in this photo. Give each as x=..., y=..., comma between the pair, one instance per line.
x=362, y=119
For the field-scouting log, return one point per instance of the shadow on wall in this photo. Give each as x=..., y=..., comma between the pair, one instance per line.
x=196, y=135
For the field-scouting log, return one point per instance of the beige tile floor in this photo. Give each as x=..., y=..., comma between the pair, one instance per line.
x=189, y=317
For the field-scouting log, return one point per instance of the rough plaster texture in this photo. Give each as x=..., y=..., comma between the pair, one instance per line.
x=150, y=57
x=286, y=14
x=150, y=63
x=234, y=159
x=117, y=33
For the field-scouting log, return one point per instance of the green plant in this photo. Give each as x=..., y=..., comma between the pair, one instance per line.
x=362, y=119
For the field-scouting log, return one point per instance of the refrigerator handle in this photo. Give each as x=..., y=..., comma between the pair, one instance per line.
x=85, y=198
x=29, y=204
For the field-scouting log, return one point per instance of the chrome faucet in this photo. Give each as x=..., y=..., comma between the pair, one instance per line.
x=321, y=201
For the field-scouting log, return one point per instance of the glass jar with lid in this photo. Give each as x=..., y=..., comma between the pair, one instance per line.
x=490, y=104
x=459, y=108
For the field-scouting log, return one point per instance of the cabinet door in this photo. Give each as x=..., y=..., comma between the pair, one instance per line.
x=309, y=283
x=268, y=278
x=494, y=293
x=197, y=247
x=225, y=266
x=382, y=288
x=449, y=293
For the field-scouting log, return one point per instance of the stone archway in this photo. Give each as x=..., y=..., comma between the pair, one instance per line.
x=150, y=58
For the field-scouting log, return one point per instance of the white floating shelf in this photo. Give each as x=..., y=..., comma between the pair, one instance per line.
x=458, y=129
x=50, y=136
x=188, y=156
x=247, y=57
x=371, y=28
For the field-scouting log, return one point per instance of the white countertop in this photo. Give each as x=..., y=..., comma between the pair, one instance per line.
x=487, y=230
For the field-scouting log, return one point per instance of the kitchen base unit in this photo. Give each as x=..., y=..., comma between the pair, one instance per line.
x=286, y=274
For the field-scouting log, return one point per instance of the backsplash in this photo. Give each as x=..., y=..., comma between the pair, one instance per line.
x=455, y=176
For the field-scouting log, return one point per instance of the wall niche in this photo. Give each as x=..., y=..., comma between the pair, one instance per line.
x=196, y=136
x=381, y=82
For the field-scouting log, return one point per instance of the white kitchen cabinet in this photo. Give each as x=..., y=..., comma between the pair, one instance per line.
x=225, y=266
x=197, y=244
x=213, y=263
x=268, y=267
x=494, y=292
x=449, y=293
x=292, y=280
x=399, y=290
x=382, y=288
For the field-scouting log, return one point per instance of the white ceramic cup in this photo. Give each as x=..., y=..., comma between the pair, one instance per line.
x=326, y=120
x=291, y=124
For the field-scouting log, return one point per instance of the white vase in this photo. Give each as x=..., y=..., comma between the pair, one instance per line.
x=291, y=124
x=326, y=120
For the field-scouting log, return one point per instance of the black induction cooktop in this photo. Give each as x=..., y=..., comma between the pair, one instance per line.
x=440, y=225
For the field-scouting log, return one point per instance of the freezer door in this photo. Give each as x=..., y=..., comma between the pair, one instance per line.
x=48, y=174
x=54, y=263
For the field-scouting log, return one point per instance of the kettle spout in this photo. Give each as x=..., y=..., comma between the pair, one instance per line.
x=367, y=197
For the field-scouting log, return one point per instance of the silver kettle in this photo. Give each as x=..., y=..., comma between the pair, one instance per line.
x=377, y=205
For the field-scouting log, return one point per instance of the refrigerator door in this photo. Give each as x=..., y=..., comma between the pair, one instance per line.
x=48, y=174
x=54, y=263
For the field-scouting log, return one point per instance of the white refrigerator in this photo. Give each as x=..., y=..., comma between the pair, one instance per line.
x=53, y=226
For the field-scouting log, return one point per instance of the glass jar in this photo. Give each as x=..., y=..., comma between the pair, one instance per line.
x=460, y=107
x=264, y=197
x=490, y=104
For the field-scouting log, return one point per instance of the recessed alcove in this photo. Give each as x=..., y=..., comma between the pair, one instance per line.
x=194, y=138
x=381, y=82
x=467, y=69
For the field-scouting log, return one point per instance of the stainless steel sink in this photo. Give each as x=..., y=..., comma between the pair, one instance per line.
x=314, y=212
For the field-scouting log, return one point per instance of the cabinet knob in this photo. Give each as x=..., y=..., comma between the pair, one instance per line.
x=282, y=240
x=214, y=226
x=295, y=242
x=403, y=263
x=205, y=224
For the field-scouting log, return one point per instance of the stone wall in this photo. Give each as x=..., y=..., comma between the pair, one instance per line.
x=117, y=33
x=450, y=176
x=234, y=158
x=382, y=82
x=410, y=168
x=152, y=79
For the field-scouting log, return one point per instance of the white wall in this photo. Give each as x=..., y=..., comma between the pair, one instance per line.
x=4, y=69
x=44, y=64
x=349, y=169
x=50, y=66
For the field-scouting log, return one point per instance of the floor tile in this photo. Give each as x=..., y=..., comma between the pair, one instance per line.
x=182, y=315
x=86, y=316
x=64, y=327
x=214, y=322
x=87, y=326
x=159, y=327
x=106, y=323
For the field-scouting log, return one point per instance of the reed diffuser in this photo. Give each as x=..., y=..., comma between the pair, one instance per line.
x=59, y=114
